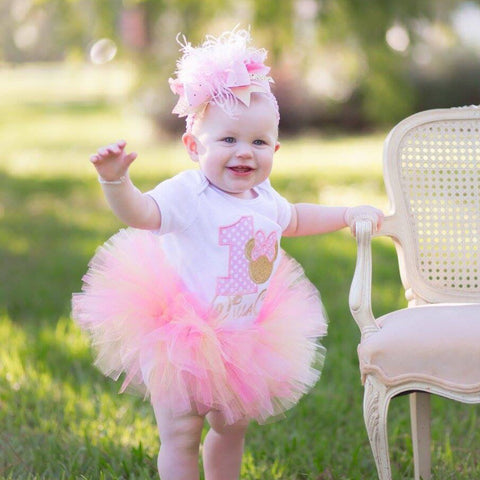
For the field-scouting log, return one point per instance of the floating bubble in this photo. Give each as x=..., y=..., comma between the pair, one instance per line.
x=465, y=21
x=103, y=51
x=397, y=38
x=26, y=36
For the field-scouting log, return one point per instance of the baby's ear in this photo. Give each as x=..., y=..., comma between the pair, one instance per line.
x=190, y=142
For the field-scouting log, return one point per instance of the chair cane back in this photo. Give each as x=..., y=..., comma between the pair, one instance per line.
x=432, y=178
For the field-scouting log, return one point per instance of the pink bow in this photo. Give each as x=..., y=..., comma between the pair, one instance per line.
x=264, y=246
x=240, y=80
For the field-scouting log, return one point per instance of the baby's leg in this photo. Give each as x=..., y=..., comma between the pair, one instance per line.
x=223, y=448
x=179, y=445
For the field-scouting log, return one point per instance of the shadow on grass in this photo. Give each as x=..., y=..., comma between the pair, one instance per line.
x=49, y=230
x=40, y=264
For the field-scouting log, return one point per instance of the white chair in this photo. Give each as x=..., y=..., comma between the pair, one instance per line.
x=432, y=177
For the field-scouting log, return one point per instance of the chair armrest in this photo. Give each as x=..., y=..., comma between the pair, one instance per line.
x=360, y=299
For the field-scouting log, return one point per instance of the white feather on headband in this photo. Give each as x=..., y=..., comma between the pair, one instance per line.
x=223, y=70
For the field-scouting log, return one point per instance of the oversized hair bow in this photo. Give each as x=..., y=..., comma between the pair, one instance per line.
x=222, y=71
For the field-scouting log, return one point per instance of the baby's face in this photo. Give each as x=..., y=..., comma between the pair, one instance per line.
x=236, y=154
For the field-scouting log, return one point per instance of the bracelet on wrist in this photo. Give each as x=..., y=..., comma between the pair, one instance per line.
x=112, y=182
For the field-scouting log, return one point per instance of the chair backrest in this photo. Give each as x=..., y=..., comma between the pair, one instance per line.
x=432, y=177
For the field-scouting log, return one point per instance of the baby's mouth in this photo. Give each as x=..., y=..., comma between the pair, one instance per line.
x=241, y=169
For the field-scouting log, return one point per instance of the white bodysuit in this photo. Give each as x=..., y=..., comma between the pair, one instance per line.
x=224, y=248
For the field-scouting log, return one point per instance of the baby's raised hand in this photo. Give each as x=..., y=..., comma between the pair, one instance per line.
x=364, y=212
x=112, y=161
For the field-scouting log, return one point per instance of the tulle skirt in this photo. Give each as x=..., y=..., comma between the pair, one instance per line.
x=144, y=324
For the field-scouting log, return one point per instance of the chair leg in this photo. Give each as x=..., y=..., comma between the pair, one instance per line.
x=420, y=420
x=375, y=411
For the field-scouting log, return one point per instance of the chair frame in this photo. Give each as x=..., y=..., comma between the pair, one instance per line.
x=377, y=396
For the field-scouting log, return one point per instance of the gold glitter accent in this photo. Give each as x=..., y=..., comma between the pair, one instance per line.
x=261, y=268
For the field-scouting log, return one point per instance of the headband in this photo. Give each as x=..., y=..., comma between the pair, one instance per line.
x=223, y=70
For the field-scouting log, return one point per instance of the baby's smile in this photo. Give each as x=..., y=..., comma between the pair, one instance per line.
x=240, y=169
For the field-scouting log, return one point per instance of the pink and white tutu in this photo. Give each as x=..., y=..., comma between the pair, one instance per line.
x=145, y=324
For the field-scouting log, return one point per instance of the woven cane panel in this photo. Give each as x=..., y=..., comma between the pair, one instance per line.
x=439, y=175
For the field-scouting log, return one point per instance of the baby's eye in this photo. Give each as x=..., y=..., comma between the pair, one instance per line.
x=229, y=140
x=259, y=142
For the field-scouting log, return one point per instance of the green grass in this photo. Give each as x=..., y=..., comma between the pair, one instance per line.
x=59, y=417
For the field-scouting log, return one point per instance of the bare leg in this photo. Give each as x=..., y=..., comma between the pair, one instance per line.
x=179, y=445
x=223, y=448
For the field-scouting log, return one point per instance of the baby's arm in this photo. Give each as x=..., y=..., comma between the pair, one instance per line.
x=126, y=201
x=311, y=219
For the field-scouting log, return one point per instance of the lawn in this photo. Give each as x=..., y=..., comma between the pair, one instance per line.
x=59, y=417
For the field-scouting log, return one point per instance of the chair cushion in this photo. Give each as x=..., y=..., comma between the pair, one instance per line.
x=438, y=344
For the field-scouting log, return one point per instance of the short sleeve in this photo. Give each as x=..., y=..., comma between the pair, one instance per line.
x=177, y=200
x=284, y=209
x=283, y=206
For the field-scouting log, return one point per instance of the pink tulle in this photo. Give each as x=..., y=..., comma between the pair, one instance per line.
x=144, y=323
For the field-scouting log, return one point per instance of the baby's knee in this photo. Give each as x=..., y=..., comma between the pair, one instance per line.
x=218, y=424
x=182, y=434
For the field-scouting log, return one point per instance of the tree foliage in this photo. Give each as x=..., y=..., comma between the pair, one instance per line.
x=297, y=34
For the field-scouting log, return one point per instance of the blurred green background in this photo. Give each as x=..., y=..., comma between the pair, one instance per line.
x=350, y=64
x=77, y=74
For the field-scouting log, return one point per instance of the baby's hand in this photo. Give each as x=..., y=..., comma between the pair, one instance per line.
x=364, y=212
x=112, y=161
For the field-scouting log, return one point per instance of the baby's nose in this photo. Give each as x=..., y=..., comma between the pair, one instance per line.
x=244, y=150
